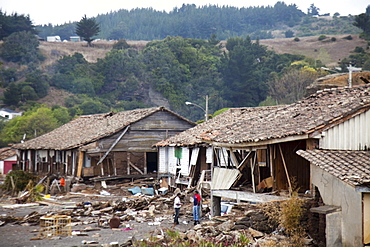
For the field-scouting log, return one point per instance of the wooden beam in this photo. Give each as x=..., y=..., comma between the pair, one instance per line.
x=244, y=161
x=128, y=163
x=252, y=171
x=286, y=170
x=80, y=163
x=114, y=164
x=136, y=168
x=113, y=145
x=145, y=164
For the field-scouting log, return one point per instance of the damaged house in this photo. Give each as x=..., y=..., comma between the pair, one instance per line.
x=110, y=144
x=185, y=159
x=260, y=154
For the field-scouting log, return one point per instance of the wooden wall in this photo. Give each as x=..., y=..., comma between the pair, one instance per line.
x=142, y=135
x=298, y=168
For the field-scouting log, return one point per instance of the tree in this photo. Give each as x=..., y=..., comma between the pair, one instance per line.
x=291, y=85
x=313, y=10
x=14, y=23
x=87, y=28
x=33, y=123
x=289, y=34
x=21, y=47
x=363, y=21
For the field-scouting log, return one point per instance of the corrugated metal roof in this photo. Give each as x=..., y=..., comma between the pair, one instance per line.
x=302, y=117
x=231, y=116
x=89, y=128
x=353, y=167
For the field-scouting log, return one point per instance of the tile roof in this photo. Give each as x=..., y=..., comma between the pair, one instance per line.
x=303, y=117
x=7, y=153
x=353, y=167
x=89, y=128
x=230, y=116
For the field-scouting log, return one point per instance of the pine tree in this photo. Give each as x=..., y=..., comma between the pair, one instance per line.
x=87, y=28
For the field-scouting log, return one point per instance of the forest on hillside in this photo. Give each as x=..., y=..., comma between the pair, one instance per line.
x=237, y=73
x=225, y=22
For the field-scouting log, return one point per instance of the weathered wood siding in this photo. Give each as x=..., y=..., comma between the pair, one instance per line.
x=142, y=135
x=298, y=168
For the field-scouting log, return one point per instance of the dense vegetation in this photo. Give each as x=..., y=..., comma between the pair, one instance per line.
x=225, y=22
x=239, y=73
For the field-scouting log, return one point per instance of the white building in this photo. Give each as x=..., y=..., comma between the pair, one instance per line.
x=9, y=114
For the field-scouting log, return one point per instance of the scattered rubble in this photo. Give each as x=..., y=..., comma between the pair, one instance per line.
x=118, y=208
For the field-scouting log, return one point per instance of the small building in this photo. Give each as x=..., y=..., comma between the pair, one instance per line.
x=74, y=38
x=109, y=144
x=8, y=158
x=9, y=114
x=55, y=38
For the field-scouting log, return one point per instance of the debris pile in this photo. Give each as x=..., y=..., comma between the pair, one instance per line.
x=132, y=206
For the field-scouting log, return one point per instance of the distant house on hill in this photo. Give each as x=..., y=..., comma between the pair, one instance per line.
x=74, y=38
x=110, y=144
x=9, y=114
x=53, y=38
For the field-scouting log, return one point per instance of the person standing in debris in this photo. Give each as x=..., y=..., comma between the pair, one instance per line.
x=196, y=207
x=177, y=205
x=62, y=183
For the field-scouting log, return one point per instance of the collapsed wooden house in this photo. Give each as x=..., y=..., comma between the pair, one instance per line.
x=110, y=144
x=260, y=153
x=186, y=160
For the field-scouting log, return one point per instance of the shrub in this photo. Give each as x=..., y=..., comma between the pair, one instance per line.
x=121, y=44
x=291, y=214
x=289, y=34
x=17, y=180
x=322, y=37
x=359, y=49
x=333, y=39
x=349, y=37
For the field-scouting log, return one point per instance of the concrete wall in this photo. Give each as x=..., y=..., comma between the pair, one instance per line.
x=366, y=201
x=337, y=193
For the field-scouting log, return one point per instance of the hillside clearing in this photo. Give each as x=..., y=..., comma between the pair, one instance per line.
x=329, y=52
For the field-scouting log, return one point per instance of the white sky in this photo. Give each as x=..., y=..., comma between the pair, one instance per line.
x=62, y=11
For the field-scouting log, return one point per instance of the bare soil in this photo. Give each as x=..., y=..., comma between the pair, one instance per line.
x=329, y=52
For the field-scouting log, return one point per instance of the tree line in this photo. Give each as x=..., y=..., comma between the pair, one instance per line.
x=190, y=21
x=237, y=73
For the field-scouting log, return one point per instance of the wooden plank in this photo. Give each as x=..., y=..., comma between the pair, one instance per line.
x=80, y=163
x=244, y=161
x=224, y=178
x=113, y=145
x=286, y=170
x=136, y=168
x=194, y=156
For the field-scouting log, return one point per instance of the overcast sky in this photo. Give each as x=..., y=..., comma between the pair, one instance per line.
x=62, y=11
